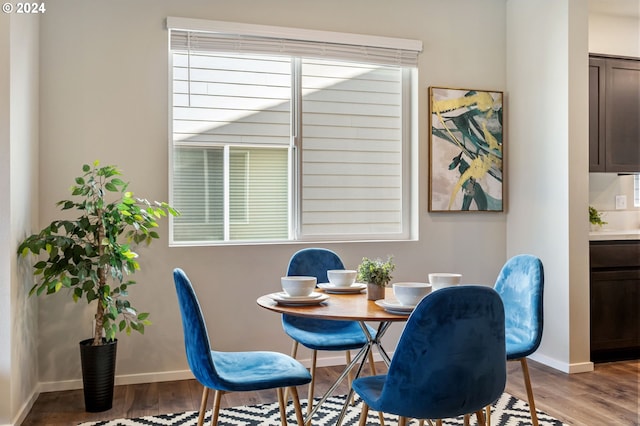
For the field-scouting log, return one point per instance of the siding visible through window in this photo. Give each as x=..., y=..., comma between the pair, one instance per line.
x=636, y=190
x=276, y=147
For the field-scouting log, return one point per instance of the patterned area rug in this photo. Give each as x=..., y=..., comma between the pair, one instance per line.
x=507, y=411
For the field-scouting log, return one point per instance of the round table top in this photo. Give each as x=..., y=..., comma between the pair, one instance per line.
x=354, y=307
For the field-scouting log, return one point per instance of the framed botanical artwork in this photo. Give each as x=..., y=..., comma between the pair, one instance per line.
x=465, y=150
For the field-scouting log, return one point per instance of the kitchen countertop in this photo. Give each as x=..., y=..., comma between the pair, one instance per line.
x=614, y=234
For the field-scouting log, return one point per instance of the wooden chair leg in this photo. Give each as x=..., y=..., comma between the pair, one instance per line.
x=314, y=357
x=487, y=412
x=283, y=409
x=294, y=353
x=466, y=420
x=402, y=421
x=203, y=406
x=363, y=414
x=296, y=406
x=216, y=407
x=439, y=422
x=480, y=418
x=527, y=384
x=372, y=364
x=347, y=356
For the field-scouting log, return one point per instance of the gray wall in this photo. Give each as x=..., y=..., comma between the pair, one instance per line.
x=104, y=85
x=104, y=95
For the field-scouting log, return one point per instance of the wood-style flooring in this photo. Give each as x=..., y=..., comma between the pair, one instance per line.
x=610, y=395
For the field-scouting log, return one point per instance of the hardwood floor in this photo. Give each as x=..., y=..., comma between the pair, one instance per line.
x=610, y=395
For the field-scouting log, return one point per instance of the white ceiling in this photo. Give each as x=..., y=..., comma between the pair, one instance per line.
x=629, y=8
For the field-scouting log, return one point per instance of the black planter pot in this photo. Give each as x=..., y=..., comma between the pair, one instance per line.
x=98, y=374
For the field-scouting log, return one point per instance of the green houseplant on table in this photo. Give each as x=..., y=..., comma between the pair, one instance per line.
x=91, y=257
x=377, y=274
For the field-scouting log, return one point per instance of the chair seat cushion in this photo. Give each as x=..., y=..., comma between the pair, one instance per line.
x=325, y=335
x=369, y=388
x=256, y=370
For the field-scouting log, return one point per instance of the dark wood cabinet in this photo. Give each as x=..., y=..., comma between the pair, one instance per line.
x=615, y=300
x=596, y=114
x=614, y=115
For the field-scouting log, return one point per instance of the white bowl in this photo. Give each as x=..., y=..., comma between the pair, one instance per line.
x=298, y=285
x=342, y=277
x=410, y=293
x=444, y=279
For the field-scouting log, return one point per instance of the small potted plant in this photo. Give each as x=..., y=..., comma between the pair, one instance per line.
x=377, y=275
x=595, y=218
x=90, y=257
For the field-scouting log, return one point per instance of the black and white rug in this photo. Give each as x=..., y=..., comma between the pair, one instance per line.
x=507, y=411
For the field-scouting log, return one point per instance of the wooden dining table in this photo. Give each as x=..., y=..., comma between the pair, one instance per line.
x=351, y=307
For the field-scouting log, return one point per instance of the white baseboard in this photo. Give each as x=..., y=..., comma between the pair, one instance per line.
x=127, y=379
x=167, y=376
x=26, y=407
x=582, y=367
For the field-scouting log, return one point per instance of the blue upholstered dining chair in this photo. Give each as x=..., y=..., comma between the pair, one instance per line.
x=521, y=285
x=233, y=371
x=319, y=334
x=450, y=359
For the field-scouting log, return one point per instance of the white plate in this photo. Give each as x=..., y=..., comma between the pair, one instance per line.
x=353, y=288
x=312, y=296
x=309, y=300
x=394, y=307
x=393, y=311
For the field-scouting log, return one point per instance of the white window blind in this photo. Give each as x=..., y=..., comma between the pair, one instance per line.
x=281, y=139
x=217, y=36
x=352, y=150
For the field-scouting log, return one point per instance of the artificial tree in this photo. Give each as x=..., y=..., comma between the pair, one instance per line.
x=92, y=255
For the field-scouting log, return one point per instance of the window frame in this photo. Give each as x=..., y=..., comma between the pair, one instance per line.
x=408, y=143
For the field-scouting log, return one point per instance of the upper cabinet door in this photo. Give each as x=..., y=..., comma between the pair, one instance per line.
x=622, y=122
x=596, y=114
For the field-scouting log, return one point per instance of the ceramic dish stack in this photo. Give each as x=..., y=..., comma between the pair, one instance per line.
x=408, y=295
x=444, y=279
x=354, y=288
x=394, y=307
x=314, y=298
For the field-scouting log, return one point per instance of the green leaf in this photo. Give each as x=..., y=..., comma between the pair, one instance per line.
x=111, y=187
x=101, y=239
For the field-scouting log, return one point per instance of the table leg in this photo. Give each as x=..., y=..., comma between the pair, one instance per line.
x=382, y=328
x=360, y=355
x=343, y=412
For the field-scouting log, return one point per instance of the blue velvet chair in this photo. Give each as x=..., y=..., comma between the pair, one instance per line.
x=318, y=334
x=233, y=371
x=520, y=285
x=450, y=359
